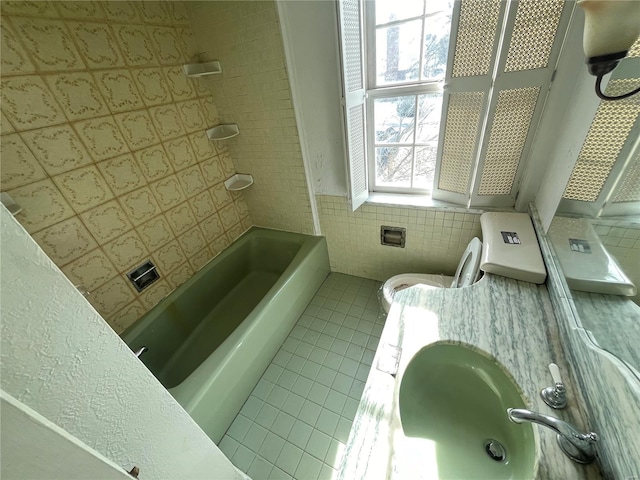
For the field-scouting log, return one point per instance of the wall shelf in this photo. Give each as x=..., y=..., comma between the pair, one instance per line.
x=239, y=181
x=10, y=204
x=202, y=69
x=222, y=132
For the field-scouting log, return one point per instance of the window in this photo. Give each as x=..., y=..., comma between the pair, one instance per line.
x=409, y=44
x=443, y=96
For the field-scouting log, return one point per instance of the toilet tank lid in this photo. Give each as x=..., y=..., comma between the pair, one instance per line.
x=510, y=247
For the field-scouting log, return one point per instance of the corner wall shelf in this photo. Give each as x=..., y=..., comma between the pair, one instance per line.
x=222, y=132
x=202, y=69
x=10, y=204
x=239, y=181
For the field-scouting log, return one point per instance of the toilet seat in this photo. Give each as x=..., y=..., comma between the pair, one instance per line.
x=467, y=273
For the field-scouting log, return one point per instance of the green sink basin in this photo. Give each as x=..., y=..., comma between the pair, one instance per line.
x=453, y=403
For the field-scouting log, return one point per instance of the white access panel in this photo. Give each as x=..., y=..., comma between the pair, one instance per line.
x=510, y=247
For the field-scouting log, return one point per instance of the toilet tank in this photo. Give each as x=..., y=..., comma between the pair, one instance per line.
x=510, y=247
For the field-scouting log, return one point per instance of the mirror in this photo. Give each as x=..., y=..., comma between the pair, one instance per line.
x=613, y=320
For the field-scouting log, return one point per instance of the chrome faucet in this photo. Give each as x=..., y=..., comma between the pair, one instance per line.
x=140, y=351
x=578, y=446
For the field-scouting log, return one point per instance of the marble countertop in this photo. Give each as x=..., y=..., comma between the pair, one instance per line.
x=511, y=320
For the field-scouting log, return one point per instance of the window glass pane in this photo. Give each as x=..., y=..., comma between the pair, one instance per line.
x=398, y=53
x=429, y=113
x=390, y=10
x=393, y=166
x=437, y=29
x=394, y=119
x=425, y=168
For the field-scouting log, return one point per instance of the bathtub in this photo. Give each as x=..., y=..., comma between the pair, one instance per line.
x=211, y=340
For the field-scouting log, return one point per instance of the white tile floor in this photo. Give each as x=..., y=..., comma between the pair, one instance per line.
x=297, y=420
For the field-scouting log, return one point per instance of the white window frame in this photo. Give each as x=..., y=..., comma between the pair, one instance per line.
x=491, y=84
x=409, y=88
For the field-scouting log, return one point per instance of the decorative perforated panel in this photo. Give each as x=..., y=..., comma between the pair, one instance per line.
x=533, y=34
x=634, y=51
x=607, y=134
x=629, y=190
x=509, y=130
x=353, y=42
x=357, y=149
x=476, y=36
x=460, y=137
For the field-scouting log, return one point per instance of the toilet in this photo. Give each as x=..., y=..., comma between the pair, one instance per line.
x=467, y=273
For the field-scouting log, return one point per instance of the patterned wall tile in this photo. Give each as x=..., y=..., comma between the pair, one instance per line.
x=135, y=45
x=152, y=85
x=167, y=121
x=124, y=318
x=42, y=205
x=192, y=181
x=122, y=174
x=112, y=296
x=156, y=292
x=119, y=90
x=189, y=48
x=83, y=188
x=106, y=221
x=78, y=95
x=236, y=231
x=241, y=206
x=21, y=7
x=166, y=45
x=140, y=205
x=66, y=241
x=58, y=149
x=168, y=192
x=202, y=205
x=102, y=137
x=211, y=115
x=13, y=58
x=224, y=157
x=28, y=103
x=180, y=218
x=177, y=13
x=127, y=251
x=154, y=162
x=221, y=195
x=169, y=257
x=19, y=166
x=218, y=244
x=155, y=12
x=137, y=129
x=212, y=171
x=156, y=232
x=229, y=216
x=122, y=11
x=80, y=10
x=192, y=116
x=180, y=275
x=212, y=227
x=181, y=86
x=202, y=146
x=5, y=125
x=200, y=259
x=49, y=43
x=192, y=241
x=97, y=44
x=180, y=153
x=91, y=270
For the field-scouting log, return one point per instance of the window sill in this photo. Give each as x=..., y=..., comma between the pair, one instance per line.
x=416, y=201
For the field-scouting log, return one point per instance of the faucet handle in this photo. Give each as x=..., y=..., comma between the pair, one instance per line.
x=555, y=396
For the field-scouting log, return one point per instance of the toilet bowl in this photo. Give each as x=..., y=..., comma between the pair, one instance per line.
x=468, y=272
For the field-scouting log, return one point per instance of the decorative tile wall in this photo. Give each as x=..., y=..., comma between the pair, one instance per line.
x=435, y=241
x=253, y=91
x=104, y=146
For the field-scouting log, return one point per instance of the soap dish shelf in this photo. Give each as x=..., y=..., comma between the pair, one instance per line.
x=239, y=181
x=222, y=132
x=10, y=204
x=202, y=69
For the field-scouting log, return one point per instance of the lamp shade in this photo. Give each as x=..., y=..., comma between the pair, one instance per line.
x=611, y=26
